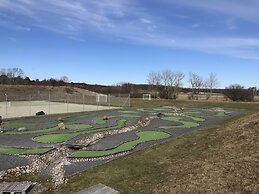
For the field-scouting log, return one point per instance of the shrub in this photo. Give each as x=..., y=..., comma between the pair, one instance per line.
x=237, y=92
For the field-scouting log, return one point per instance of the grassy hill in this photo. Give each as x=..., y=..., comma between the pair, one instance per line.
x=35, y=92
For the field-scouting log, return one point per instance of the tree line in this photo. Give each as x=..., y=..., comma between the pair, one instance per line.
x=16, y=76
x=172, y=82
x=166, y=84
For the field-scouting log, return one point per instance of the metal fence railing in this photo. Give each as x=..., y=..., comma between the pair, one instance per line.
x=12, y=105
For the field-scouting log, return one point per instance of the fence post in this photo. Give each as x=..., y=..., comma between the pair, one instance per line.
x=67, y=103
x=129, y=101
x=83, y=102
x=49, y=102
x=6, y=105
x=109, y=101
x=30, y=104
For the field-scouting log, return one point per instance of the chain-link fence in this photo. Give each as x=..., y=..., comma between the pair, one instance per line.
x=12, y=105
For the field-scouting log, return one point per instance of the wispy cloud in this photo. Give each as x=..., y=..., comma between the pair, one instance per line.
x=245, y=9
x=129, y=20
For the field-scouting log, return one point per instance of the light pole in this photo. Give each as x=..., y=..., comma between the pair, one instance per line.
x=5, y=105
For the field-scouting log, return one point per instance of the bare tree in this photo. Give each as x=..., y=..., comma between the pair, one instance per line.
x=3, y=71
x=167, y=76
x=179, y=76
x=196, y=82
x=14, y=72
x=65, y=79
x=151, y=78
x=212, y=82
x=158, y=78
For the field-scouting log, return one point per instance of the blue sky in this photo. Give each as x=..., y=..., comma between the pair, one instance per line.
x=112, y=41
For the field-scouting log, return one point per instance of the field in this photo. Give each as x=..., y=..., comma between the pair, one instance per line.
x=131, y=136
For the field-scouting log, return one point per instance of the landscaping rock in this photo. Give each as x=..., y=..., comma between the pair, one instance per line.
x=40, y=113
x=61, y=126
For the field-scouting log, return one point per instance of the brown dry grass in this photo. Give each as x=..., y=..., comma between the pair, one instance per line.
x=228, y=164
x=26, y=90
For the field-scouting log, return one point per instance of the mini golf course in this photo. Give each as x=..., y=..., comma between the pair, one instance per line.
x=124, y=131
x=144, y=136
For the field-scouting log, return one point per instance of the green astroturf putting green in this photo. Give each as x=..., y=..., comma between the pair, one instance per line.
x=71, y=126
x=221, y=114
x=128, y=112
x=74, y=118
x=100, y=121
x=20, y=151
x=144, y=136
x=145, y=110
x=61, y=137
x=12, y=125
x=185, y=124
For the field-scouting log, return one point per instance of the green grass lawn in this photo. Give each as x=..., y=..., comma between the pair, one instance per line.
x=23, y=151
x=58, y=138
x=143, y=137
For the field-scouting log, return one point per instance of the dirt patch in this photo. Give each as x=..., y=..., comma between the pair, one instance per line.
x=230, y=163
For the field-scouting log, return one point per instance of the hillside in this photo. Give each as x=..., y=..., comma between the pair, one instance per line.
x=20, y=92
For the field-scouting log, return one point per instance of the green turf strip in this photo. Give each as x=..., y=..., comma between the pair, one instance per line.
x=144, y=136
x=146, y=110
x=13, y=150
x=185, y=124
x=74, y=118
x=29, y=131
x=71, y=126
x=221, y=114
x=57, y=138
x=16, y=125
x=29, y=124
x=128, y=112
x=100, y=121
x=78, y=126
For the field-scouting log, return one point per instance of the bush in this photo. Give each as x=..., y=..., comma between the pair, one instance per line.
x=237, y=92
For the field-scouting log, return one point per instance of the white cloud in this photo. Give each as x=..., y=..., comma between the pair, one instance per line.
x=145, y=21
x=127, y=20
x=23, y=28
x=245, y=9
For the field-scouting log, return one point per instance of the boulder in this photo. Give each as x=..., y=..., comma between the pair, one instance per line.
x=105, y=117
x=61, y=125
x=40, y=113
